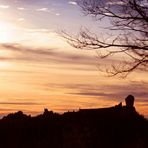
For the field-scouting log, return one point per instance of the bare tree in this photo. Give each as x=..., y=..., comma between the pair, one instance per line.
x=129, y=19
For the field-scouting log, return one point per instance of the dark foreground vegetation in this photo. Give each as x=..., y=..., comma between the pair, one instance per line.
x=115, y=127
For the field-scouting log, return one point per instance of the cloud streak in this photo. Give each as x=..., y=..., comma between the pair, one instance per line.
x=43, y=9
x=4, y=6
x=111, y=92
x=20, y=103
x=45, y=54
x=72, y=3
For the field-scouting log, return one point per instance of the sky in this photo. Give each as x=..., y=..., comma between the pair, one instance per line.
x=39, y=69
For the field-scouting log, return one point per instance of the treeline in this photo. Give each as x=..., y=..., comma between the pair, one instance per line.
x=117, y=127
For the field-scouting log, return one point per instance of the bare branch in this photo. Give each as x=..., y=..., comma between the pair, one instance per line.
x=130, y=19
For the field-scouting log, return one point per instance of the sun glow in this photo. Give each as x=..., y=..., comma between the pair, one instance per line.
x=6, y=32
x=5, y=65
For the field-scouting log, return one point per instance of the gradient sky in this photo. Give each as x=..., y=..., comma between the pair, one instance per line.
x=38, y=69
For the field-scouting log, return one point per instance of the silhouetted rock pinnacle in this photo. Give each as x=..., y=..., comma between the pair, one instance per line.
x=130, y=101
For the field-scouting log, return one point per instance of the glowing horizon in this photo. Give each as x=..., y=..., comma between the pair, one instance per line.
x=38, y=69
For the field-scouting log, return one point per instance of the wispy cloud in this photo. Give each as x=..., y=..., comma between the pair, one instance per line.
x=57, y=14
x=20, y=103
x=42, y=9
x=45, y=54
x=37, y=30
x=116, y=3
x=112, y=92
x=4, y=6
x=21, y=19
x=21, y=8
x=72, y=3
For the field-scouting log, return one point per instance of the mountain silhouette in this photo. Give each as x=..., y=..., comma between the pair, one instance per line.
x=117, y=127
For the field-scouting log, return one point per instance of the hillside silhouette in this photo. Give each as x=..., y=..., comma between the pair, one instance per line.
x=114, y=127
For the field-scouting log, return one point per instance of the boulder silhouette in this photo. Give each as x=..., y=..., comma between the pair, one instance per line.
x=129, y=100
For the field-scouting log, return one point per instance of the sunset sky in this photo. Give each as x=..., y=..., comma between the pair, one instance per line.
x=39, y=69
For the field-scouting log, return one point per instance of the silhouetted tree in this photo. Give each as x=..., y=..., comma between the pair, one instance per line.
x=129, y=19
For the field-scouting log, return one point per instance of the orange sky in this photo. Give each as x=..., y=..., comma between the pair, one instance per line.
x=38, y=69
